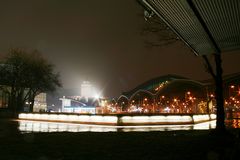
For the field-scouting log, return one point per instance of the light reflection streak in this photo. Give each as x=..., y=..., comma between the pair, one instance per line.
x=26, y=126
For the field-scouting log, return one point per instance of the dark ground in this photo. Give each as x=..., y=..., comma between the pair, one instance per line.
x=133, y=145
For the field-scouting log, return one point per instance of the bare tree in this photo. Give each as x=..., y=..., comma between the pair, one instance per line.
x=156, y=32
x=27, y=74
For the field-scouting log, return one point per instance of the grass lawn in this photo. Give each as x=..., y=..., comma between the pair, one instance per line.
x=132, y=145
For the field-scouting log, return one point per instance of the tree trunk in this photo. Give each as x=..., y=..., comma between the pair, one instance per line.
x=12, y=101
x=219, y=94
x=20, y=102
x=31, y=105
x=31, y=100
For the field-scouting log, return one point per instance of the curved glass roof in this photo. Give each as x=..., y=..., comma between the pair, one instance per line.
x=152, y=84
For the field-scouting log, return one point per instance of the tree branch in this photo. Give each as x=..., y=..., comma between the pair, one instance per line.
x=160, y=43
x=157, y=33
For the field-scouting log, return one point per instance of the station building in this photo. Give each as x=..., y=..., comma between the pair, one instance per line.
x=177, y=94
x=78, y=104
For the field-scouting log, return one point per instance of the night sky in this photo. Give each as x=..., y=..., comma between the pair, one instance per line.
x=97, y=40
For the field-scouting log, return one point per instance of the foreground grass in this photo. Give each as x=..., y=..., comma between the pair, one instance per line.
x=133, y=145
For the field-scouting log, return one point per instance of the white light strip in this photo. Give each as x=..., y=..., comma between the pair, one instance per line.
x=121, y=120
x=70, y=118
x=205, y=125
x=200, y=118
x=156, y=119
x=213, y=116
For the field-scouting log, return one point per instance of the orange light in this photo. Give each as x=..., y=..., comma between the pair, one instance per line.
x=232, y=86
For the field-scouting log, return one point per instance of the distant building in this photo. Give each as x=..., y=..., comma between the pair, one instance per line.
x=87, y=89
x=86, y=102
x=79, y=105
x=177, y=94
x=40, y=103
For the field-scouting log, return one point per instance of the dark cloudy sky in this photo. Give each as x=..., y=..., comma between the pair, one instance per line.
x=96, y=40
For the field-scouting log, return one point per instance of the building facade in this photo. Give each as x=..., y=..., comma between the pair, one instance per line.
x=177, y=94
x=40, y=103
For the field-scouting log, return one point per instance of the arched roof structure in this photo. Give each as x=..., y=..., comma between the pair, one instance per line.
x=181, y=86
x=152, y=84
x=173, y=84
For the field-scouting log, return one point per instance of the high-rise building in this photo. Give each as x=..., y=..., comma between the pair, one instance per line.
x=86, y=89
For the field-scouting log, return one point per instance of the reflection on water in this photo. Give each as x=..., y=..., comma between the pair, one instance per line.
x=234, y=123
x=235, y=115
x=40, y=126
x=233, y=120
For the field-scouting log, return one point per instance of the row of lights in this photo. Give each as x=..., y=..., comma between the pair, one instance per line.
x=171, y=105
x=174, y=105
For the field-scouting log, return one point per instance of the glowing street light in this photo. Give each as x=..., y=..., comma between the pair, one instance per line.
x=232, y=86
